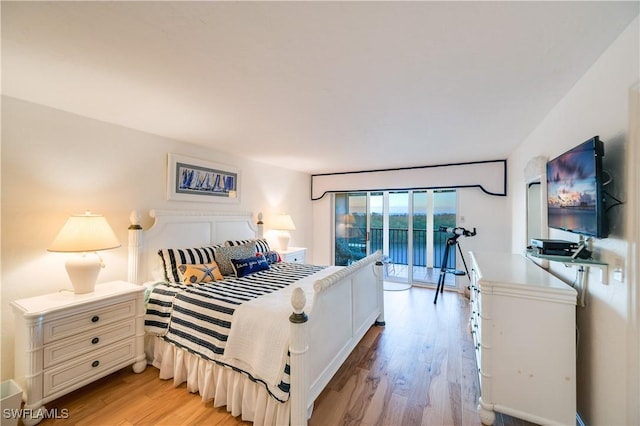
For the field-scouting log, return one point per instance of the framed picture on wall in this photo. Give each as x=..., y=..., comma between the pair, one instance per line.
x=193, y=179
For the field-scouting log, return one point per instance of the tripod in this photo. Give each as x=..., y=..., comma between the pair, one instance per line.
x=452, y=241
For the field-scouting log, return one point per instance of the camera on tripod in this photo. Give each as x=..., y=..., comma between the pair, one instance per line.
x=458, y=231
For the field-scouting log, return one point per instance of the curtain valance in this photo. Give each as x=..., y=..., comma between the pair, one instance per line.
x=489, y=176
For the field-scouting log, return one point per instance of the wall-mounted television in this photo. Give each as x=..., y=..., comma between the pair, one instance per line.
x=575, y=198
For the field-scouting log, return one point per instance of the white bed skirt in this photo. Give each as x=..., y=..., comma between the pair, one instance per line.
x=215, y=382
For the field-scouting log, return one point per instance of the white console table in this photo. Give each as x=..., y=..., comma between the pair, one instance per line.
x=523, y=326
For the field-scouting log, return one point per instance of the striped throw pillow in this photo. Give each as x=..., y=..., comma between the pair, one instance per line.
x=262, y=246
x=171, y=258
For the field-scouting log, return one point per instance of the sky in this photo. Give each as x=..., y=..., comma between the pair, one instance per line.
x=445, y=202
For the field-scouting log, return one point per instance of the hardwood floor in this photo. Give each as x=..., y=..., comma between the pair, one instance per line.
x=418, y=370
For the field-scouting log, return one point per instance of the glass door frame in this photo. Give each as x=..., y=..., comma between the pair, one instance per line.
x=430, y=231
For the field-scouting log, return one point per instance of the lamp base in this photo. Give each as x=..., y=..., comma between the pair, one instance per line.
x=283, y=240
x=83, y=272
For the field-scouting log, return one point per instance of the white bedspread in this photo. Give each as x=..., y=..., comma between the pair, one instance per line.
x=260, y=345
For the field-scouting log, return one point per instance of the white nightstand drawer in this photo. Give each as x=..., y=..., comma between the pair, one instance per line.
x=72, y=347
x=296, y=258
x=294, y=255
x=88, y=367
x=87, y=320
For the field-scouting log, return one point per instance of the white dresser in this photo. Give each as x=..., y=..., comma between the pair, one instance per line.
x=293, y=254
x=65, y=340
x=523, y=326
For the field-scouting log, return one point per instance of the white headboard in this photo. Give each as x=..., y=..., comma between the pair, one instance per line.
x=182, y=229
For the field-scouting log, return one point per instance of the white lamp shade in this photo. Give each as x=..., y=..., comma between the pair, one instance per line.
x=283, y=222
x=85, y=233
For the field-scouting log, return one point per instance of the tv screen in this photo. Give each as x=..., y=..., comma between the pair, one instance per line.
x=574, y=190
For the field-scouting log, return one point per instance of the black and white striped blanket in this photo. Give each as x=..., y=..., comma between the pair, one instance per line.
x=198, y=318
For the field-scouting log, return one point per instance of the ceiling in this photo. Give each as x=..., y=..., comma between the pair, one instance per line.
x=312, y=86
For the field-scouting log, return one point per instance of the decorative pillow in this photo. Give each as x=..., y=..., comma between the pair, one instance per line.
x=171, y=258
x=272, y=257
x=203, y=273
x=262, y=246
x=231, y=243
x=224, y=255
x=243, y=267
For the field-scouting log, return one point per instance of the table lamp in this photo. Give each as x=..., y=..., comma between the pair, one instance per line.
x=283, y=223
x=83, y=234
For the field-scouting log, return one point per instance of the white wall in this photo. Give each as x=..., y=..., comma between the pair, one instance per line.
x=55, y=164
x=598, y=104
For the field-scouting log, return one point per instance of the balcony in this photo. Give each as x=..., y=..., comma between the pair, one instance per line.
x=354, y=248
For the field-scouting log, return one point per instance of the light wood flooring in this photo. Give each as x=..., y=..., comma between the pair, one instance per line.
x=417, y=370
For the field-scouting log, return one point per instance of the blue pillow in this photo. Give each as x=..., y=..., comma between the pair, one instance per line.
x=272, y=257
x=249, y=265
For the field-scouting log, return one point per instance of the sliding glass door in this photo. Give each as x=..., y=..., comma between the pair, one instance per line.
x=377, y=238
x=399, y=236
x=351, y=223
x=403, y=225
x=422, y=222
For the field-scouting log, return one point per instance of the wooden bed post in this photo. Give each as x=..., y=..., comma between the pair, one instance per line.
x=260, y=225
x=135, y=232
x=298, y=359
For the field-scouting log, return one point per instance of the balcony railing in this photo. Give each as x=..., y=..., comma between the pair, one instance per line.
x=398, y=246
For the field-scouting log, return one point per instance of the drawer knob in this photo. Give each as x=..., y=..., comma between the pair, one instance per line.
x=95, y=340
x=95, y=363
x=95, y=318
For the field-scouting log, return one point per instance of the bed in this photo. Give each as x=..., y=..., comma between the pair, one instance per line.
x=319, y=315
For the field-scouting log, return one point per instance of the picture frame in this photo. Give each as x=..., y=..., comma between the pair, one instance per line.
x=193, y=179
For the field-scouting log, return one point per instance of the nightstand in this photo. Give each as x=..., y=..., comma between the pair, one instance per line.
x=66, y=340
x=293, y=254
